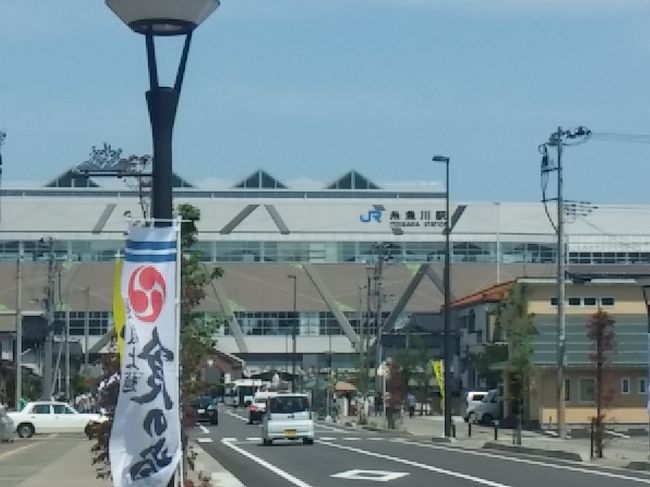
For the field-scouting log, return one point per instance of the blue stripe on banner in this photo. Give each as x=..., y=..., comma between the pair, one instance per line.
x=150, y=245
x=150, y=257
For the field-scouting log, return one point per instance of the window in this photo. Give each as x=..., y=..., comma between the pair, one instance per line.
x=625, y=385
x=607, y=301
x=587, y=390
x=41, y=409
x=574, y=301
x=553, y=301
x=62, y=409
x=643, y=386
x=567, y=390
x=589, y=301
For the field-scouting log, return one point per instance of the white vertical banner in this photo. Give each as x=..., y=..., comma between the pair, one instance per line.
x=145, y=447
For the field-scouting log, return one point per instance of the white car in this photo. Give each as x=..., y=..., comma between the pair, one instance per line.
x=288, y=417
x=51, y=417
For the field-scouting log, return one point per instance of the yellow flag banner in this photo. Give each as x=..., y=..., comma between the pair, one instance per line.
x=439, y=373
x=119, y=313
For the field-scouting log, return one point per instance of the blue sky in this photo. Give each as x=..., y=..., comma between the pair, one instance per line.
x=312, y=89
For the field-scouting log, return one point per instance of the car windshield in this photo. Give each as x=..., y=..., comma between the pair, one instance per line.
x=289, y=404
x=202, y=402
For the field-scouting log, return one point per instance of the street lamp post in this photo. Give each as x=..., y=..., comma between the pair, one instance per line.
x=154, y=18
x=645, y=286
x=294, y=278
x=447, y=282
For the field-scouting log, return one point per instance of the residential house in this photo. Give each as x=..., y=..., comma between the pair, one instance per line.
x=627, y=372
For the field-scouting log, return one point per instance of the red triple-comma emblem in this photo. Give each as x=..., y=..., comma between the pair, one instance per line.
x=147, y=292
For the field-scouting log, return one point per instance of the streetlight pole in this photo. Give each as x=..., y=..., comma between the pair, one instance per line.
x=157, y=18
x=645, y=286
x=19, y=326
x=294, y=278
x=447, y=283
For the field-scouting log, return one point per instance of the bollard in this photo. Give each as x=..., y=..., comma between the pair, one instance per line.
x=469, y=429
x=591, y=440
x=453, y=430
x=496, y=430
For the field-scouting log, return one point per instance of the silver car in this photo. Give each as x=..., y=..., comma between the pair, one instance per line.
x=7, y=426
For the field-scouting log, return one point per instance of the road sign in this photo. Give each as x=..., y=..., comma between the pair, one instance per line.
x=373, y=475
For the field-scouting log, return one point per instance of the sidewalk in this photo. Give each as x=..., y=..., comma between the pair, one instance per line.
x=618, y=452
x=73, y=469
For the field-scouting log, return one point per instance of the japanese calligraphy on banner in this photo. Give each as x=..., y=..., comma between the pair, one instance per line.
x=145, y=440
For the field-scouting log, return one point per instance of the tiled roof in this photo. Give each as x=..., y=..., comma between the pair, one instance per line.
x=491, y=294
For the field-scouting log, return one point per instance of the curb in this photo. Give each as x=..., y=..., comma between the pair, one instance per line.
x=206, y=465
x=563, y=455
x=443, y=439
x=638, y=465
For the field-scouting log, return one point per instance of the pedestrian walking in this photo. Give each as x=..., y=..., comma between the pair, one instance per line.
x=379, y=403
x=410, y=404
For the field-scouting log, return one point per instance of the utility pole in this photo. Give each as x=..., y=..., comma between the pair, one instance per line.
x=378, y=291
x=447, y=377
x=19, y=326
x=49, y=313
x=561, y=290
x=294, y=278
x=559, y=139
x=87, y=331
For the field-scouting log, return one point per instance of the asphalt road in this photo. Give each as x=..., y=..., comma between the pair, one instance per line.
x=344, y=457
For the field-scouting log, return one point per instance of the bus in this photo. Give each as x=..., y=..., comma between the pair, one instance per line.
x=240, y=392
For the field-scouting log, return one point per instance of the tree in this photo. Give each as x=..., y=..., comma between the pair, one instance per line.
x=600, y=331
x=415, y=366
x=516, y=325
x=197, y=341
x=395, y=390
x=485, y=360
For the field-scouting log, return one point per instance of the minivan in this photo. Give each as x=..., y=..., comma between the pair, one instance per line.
x=288, y=417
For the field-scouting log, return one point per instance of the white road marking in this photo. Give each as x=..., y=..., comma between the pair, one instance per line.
x=374, y=438
x=619, y=435
x=328, y=438
x=204, y=440
x=351, y=438
x=241, y=418
x=285, y=475
x=331, y=428
x=449, y=473
x=529, y=461
x=204, y=429
x=372, y=475
x=253, y=438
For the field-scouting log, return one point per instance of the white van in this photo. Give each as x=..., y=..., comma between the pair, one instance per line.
x=489, y=408
x=288, y=417
x=472, y=400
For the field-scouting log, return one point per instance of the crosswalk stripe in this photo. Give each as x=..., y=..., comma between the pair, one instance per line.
x=204, y=440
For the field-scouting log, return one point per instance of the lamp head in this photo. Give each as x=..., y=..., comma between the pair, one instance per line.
x=163, y=17
x=439, y=158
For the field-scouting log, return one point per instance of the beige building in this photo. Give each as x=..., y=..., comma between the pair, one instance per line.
x=626, y=378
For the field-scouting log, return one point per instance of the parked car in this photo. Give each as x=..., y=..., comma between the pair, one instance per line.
x=472, y=400
x=288, y=417
x=51, y=417
x=489, y=409
x=205, y=409
x=257, y=408
x=7, y=426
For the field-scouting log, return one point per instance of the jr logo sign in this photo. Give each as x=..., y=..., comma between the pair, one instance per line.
x=147, y=292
